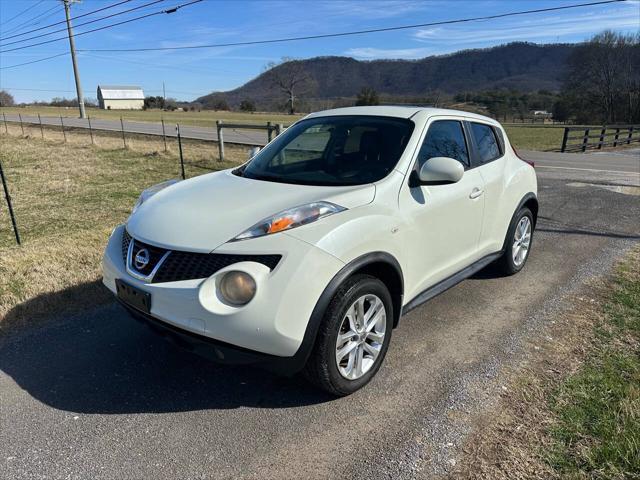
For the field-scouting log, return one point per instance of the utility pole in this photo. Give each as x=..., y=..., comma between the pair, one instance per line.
x=72, y=47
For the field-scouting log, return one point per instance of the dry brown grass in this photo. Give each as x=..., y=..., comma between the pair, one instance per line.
x=515, y=440
x=67, y=198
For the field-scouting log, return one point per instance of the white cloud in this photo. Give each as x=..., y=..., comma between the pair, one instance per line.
x=369, y=53
x=546, y=29
x=375, y=9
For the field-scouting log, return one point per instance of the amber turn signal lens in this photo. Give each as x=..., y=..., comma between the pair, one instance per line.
x=280, y=224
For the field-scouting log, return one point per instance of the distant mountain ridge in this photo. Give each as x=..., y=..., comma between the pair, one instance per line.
x=523, y=67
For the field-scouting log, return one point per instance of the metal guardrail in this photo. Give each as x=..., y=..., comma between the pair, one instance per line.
x=594, y=138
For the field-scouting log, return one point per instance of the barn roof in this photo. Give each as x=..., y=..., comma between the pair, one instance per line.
x=120, y=92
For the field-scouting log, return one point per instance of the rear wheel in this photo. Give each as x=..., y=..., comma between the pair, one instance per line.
x=518, y=242
x=353, y=338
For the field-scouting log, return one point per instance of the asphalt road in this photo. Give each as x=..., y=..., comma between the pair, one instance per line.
x=99, y=396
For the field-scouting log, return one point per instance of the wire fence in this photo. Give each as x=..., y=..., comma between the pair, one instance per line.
x=163, y=156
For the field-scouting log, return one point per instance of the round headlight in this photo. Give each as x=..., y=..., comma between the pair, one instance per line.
x=237, y=288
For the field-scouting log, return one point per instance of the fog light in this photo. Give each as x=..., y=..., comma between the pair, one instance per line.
x=237, y=288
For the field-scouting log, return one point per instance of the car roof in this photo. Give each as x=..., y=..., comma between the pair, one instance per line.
x=398, y=111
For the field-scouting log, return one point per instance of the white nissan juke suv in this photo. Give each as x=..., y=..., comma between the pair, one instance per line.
x=305, y=257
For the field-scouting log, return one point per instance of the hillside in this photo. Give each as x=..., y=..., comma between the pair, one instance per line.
x=524, y=67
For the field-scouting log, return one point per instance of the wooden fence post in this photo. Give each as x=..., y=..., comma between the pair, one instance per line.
x=41, y=129
x=564, y=139
x=615, y=139
x=124, y=140
x=180, y=149
x=585, y=140
x=220, y=141
x=269, y=135
x=90, y=129
x=21, y=126
x=164, y=136
x=630, y=135
x=8, y=198
x=64, y=134
x=6, y=129
x=279, y=129
x=602, y=132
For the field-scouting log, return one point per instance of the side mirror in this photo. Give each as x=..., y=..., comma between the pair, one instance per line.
x=253, y=152
x=438, y=171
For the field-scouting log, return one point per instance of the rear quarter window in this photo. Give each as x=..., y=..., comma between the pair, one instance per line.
x=485, y=141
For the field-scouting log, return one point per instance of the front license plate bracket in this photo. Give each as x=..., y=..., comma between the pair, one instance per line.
x=133, y=296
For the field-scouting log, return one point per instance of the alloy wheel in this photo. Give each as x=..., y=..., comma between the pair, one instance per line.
x=521, y=241
x=361, y=336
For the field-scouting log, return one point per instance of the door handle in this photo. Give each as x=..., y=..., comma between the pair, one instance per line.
x=476, y=192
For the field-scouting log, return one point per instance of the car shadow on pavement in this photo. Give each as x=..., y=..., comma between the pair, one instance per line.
x=102, y=361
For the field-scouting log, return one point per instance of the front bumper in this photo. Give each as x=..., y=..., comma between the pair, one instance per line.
x=273, y=324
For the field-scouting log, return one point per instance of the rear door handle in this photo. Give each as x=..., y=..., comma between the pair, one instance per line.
x=476, y=192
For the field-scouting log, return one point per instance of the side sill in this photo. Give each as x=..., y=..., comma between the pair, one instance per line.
x=449, y=282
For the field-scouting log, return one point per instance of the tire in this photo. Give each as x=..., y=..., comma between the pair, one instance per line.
x=509, y=263
x=323, y=368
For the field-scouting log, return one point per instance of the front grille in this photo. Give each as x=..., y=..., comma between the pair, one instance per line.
x=179, y=265
x=189, y=266
x=126, y=240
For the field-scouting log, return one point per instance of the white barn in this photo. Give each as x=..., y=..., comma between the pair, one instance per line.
x=116, y=97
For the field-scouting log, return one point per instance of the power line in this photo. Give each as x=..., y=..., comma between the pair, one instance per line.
x=34, y=61
x=351, y=33
x=38, y=90
x=31, y=21
x=168, y=10
x=82, y=24
x=163, y=66
x=64, y=21
x=22, y=12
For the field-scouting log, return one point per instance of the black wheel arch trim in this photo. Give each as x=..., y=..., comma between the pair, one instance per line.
x=525, y=199
x=300, y=357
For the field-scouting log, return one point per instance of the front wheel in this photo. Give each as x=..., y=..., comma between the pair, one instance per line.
x=518, y=242
x=353, y=337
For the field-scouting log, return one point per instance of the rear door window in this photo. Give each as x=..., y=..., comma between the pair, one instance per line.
x=445, y=138
x=485, y=142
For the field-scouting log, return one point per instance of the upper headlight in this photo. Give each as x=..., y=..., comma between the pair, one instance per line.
x=292, y=218
x=151, y=191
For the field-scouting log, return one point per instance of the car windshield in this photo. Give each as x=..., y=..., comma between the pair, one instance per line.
x=333, y=150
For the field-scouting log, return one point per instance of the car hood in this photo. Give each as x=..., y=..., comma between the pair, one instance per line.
x=205, y=212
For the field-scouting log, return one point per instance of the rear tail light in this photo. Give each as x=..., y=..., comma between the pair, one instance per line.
x=530, y=162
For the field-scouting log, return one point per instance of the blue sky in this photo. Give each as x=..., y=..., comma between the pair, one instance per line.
x=191, y=73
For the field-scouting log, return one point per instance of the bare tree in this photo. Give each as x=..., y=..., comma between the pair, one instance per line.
x=604, y=79
x=6, y=99
x=291, y=79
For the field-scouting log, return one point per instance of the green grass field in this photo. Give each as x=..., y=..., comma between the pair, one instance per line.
x=539, y=137
x=525, y=137
x=204, y=118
